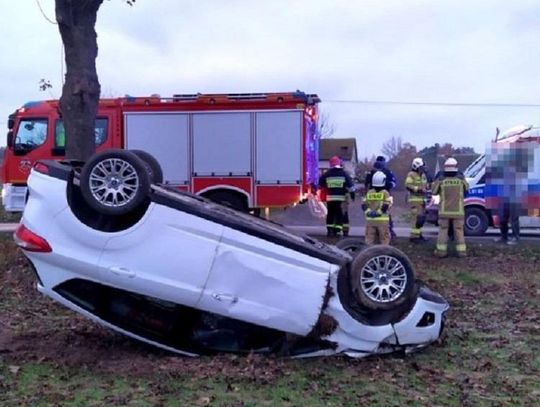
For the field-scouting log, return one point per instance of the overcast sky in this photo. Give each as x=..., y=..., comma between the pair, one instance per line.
x=346, y=51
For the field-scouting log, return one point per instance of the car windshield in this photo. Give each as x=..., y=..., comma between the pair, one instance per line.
x=473, y=169
x=31, y=134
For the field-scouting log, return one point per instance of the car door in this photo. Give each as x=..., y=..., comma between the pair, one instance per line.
x=261, y=282
x=166, y=255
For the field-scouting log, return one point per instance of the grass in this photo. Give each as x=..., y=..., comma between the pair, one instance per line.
x=487, y=357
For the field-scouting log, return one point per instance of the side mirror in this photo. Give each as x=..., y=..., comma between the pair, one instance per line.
x=11, y=123
x=9, y=142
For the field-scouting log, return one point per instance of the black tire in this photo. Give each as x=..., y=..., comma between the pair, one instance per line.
x=230, y=199
x=352, y=245
x=384, y=264
x=476, y=222
x=124, y=192
x=154, y=169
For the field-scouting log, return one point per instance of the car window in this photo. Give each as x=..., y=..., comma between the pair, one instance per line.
x=473, y=169
x=100, y=132
x=31, y=134
x=482, y=180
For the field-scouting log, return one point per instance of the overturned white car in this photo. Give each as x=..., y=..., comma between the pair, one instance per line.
x=192, y=276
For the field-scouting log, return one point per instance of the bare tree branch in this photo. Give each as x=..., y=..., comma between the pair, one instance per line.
x=326, y=127
x=392, y=147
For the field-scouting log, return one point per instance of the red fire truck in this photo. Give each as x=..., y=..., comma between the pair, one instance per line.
x=249, y=150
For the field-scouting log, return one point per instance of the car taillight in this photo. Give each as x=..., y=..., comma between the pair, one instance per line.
x=28, y=240
x=40, y=167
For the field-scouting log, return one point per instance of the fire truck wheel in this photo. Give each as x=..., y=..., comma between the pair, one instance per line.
x=352, y=245
x=153, y=167
x=382, y=278
x=114, y=182
x=230, y=199
x=476, y=222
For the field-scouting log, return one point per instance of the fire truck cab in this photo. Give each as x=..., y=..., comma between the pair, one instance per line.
x=248, y=150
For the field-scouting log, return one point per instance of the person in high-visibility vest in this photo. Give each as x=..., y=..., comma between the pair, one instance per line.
x=380, y=165
x=337, y=184
x=376, y=205
x=451, y=188
x=417, y=186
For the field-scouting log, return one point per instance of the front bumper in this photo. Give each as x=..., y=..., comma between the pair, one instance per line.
x=425, y=322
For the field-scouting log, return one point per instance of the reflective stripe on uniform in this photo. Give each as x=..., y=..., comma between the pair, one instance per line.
x=461, y=247
x=442, y=247
x=340, y=198
x=379, y=219
x=335, y=182
x=374, y=197
x=413, y=181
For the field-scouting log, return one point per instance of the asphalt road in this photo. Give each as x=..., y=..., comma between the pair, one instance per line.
x=428, y=232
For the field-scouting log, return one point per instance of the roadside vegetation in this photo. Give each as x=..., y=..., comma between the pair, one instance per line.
x=488, y=355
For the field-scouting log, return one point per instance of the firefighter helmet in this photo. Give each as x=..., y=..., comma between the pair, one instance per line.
x=378, y=179
x=335, y=161
x=417, y=163
x=451, y=165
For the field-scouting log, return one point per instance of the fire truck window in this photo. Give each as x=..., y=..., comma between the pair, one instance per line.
x=100, y=133
x=59, y=135
x=31, y=134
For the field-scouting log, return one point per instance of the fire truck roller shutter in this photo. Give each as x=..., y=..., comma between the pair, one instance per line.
x=222, y=144
x=279, y=147
x=165, y=136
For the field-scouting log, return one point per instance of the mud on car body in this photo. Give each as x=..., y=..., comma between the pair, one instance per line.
x=109, y=241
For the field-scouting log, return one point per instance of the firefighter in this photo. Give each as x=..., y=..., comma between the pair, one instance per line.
x=380, y=165
x=345, y=210
x=417, y=185
x=337, y=184
x=452, y=189
x=376, y=205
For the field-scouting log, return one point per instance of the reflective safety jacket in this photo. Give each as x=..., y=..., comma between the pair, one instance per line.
x=415, y=184
x=377, y=203
x=337, y=184
x=452, y=193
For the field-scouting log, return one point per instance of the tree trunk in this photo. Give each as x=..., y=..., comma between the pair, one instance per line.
x=80, y=93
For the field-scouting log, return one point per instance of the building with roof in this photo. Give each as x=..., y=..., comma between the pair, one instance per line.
x=344, y=148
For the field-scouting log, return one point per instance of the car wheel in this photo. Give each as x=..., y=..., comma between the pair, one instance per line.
x=153, y=167
x=476, y=222
x=382, y=278
x=352, y=245
x=114, y=182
